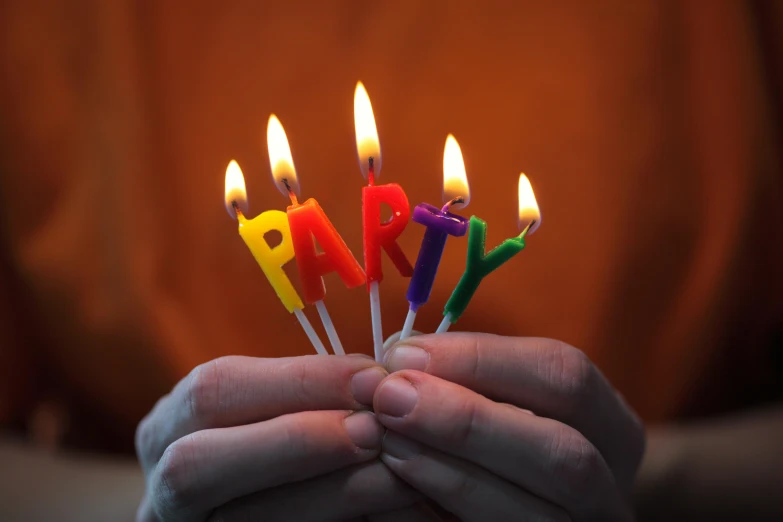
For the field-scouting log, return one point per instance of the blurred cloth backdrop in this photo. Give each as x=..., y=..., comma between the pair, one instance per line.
x=650, y=131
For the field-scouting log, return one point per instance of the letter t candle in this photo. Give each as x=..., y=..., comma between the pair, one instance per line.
x=377, y=235
x=479, y=265
x=441, y=224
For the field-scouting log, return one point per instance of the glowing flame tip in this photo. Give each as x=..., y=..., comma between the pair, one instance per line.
x=528, y=206
x=367, y=144
x=280, y=159
x=235, y=192
x=455, y=179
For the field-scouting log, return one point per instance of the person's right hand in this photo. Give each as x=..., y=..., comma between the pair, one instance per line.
x=243, y=438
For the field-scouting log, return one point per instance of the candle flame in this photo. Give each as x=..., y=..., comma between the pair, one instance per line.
x=236, y=194
x=455, y=179
x=367, y=144
x=529, y=214
x=280, y=159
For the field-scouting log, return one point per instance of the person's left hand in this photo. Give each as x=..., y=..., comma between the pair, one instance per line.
x=458, y=410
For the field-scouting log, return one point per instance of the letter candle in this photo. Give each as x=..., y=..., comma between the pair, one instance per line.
x=309, y=224
x=270, y=259
x=377, y=235
x=441, y=224
x=478, y=264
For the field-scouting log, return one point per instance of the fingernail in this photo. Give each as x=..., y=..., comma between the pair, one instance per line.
x=397, y=397
x=365, y=382
x=364, y=430
x=406, y=357
x=400, y=447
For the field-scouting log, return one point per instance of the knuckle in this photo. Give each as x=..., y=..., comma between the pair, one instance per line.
x=144, y=512
x=147, y=437
x=568, y=370
x=638, y=439
x=221, y=514
x=466, y=422
x=639, y=430
x=299, y=436
x=300, y=382
x=300, y=377
x=174, y=486
x=460, y=486
x=474, y=351
x=574, y=461
x=144, y=439
x=203, y=391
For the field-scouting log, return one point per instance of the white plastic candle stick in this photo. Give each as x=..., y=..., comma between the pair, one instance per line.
x=444, y=325
x=377, y=328
x=407, y=328
x=331, y=333
x=308, y=329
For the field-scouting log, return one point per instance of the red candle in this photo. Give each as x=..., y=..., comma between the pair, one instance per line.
x=378, y=235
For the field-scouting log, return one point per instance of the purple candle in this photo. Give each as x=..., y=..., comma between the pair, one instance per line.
x=441, y=224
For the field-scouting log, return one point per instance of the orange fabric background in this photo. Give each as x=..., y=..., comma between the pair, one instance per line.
x=650, y=131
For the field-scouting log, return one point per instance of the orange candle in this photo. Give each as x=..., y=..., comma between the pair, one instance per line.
x=308, y=223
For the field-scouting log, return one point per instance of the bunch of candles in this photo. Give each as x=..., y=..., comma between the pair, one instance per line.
x=304, y=224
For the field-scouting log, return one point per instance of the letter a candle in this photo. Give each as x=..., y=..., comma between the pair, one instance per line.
x=441, y=224
x=309, y=224
x=377, y=235
x=478, y=264
x=271, y=260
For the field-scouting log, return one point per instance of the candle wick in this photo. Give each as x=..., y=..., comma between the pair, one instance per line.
x=236, y=208
x=527, y=228
x=291, y=194
x=371, y=171
x=447, y=206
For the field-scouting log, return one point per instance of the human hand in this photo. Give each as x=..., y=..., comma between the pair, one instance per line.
x=244, y=438
x=460, y=430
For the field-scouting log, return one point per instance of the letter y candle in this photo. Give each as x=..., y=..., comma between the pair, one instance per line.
x=478, y=264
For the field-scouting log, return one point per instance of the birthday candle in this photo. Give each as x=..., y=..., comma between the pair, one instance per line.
x=377, y=235
x=441, y=224
x=478, y=264
x=309, y=224
x=270, y=259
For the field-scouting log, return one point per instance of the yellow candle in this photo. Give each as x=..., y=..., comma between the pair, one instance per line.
x=270, y=259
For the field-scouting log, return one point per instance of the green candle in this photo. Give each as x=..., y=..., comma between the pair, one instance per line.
x=479, y=265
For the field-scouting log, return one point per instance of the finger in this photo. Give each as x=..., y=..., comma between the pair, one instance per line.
x=210, y=467
x=419, y=512
x=352, y=492
x=543, y=456
x=231, y=391
x=469, y=491
x=548, y=377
